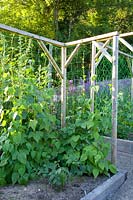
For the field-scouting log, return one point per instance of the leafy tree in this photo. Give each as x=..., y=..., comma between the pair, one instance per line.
x=68, y=20
x=35, y=16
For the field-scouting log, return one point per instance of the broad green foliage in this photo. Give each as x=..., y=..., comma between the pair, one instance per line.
x=125, y=112
x=68, y=20
x=28, y=15
x=78, y=149
x=31, y=142
x=125, y=115
x=25, y=115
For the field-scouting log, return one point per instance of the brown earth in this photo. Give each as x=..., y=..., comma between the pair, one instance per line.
x=38, y=190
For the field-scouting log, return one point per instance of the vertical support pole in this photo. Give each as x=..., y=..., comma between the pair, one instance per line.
x=63, y=87
x=50, y=67
x=114, y=99
x=92, y=92
x=132, y=83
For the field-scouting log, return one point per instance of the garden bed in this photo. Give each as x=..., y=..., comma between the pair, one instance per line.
x=37, y=190
x=83, y=188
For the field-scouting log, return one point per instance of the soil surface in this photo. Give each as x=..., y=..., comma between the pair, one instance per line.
x=41, y=190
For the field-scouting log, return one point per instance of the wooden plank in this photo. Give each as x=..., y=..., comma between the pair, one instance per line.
x=126, y=34
x=121, y=52
x=99, y=60
x=63, y=87
x=87, y=40
x=103, y=50
x=21, y=32
x=126, y=44
x=114, y=99
x=125, y=54
x=72, y=55
x=50, y=67
x=103, y=46
x=92, y=92
x=51, y=59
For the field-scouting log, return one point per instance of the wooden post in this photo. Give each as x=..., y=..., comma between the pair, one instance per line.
x=50, y=67
x=92, y=76
x=63, y=87
x=132, y=82
x=114, y=99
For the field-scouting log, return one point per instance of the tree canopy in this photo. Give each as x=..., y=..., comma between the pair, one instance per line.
x=66, y=20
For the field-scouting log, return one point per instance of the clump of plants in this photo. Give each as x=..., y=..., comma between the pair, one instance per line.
x=78, y=149
x=31, y=143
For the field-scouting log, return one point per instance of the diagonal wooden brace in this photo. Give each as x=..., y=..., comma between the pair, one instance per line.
x=103, y=46
x=103, y=50
x=72, y=55
x=126, y=44
x=51, y=59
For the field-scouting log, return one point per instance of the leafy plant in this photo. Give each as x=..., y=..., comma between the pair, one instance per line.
x=78, y=149
x=31, y=142
x=125, y=115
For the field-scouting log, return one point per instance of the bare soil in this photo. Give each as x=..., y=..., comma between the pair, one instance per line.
x=41, y=189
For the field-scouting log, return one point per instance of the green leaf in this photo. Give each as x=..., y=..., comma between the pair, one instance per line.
x=37, y=135
x=33, y=124
x=57, y=144
x=101, y=165
x=14, y=155
x=3, y=123
x=97, y=157
x=95, y=172
x=75, y=138
x=112, y=168
x=38, y=157
x=33, y=154
x=17, y=138
x=15, y=177
x=84, y=157
x=3, y=138
x=6, y=146
x=83, y=125
x=4, y=161
x=21, y=170
x=2, y=181
x=24, y=179
x=29, y=146
x=22, y=157
x=95, y=135
x=90, y=124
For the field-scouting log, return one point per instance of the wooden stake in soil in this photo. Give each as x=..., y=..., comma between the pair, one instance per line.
x=92, y=76
x=114, y=99
x=63, y=87
x=50, y=67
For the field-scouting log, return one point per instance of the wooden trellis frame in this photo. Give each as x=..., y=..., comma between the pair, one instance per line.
x=97, y=42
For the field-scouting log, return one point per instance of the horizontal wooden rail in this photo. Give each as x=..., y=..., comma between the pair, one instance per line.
x=15, y=30
x=126, y=34
x=95, y=38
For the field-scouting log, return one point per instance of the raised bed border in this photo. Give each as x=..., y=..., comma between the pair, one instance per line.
x=107, y=188
x=124, y=146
